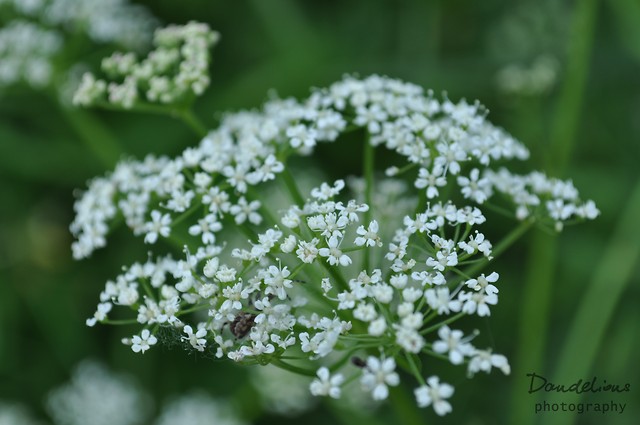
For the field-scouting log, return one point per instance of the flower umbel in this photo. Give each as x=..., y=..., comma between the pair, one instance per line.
x=336, y=273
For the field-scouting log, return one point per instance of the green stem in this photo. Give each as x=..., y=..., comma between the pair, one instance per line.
x=592, y=322
x=414, y=368
x=292, y=187
x=292, y=368
x=95, y=136
x=405, y=407
x=368, y=168
x=189, y=118
x=542, y=261
x=185, y=114
x=441, y=324
x=186, y=214
x=502, y=246
x=119, y=322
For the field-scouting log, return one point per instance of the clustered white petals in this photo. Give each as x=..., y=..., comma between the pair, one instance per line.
x=177, y=68
x=144, y=341
x=31, y=44
x=339, y=269
x=326, y=385
x=435, y=393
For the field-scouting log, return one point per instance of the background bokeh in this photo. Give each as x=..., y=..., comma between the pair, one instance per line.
x=563, y=77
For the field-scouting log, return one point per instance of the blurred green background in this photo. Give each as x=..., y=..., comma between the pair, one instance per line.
x=569, y=303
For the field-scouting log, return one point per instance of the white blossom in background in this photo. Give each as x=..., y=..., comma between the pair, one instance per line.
x=326, y=385
x=529, y=45
x=177, y=68
x=33, y=42
x=533, y=80
x=280, y=391
x=434, y=393
x=198, y=408
x=371, y=262
x=96, y=396
x=104, y=21
x=16, y=414
x=27, y=51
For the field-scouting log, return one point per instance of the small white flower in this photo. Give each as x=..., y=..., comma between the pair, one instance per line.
x=197, y=339
x=326, y=385
x=159, y=225
x=300, y=136
x=100, y=314
x=326, y=192
x=451, y=342
x=144, y=341
x=333, y=254
x=377, y=327
x=443, y=260
x=434, y=393
x=477, y=302
x=431, y=180
x=484, y=360
x=377, y=375
x=473, y=188
x=440, y=300
x=289, y=244
x=325, y=284
x=307, y=251
x=368, y=237
x=484, y=283
x=244, y=211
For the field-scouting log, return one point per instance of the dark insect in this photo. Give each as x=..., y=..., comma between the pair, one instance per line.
x=242, y=324
x=357, y=361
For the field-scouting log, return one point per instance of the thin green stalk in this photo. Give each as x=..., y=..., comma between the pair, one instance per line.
x=95, y=136
x=351, y=416
x=185, y=114
x=598, y=305
x=119, y=322
x=291, y=185
x=368, y=168
x=191, y=120
x=415, y=369
x=441, y=324
x=502, y=246
x=292, y=368
x=543, y=259
x=404, y=405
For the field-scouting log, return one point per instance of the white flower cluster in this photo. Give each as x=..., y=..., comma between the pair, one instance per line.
x=16, y=414
x=281, y=392
x=26, y=50
x=533, y=80
x=198, y=408
x=177, y=68
x=327, y=277
x=31, y=42
x=104, y=21
x=96, y=396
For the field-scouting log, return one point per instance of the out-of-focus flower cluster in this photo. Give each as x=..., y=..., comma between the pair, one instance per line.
x=332, y=277
x=97, y=396
x=529, y=46
x=177, y=68
x=536, y=79
x=32, y=41
x=26, y=50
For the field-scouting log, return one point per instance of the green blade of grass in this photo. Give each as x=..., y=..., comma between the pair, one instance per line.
x=543, y=258
x=597, y=307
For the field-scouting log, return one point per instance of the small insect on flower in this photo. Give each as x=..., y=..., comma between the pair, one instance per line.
x=242, y=324
x=358, y=362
